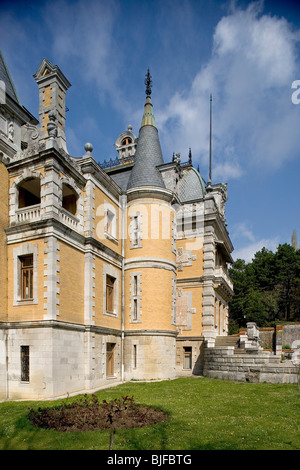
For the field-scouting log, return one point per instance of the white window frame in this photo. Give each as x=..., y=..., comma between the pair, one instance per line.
x=113, y=272
x=135, y=297
x=110, y=222
x=136, y=230
x=25, y=250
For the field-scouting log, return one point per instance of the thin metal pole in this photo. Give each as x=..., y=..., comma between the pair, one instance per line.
x=210, y=132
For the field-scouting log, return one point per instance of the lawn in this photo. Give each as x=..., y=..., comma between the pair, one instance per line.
x=204, y=414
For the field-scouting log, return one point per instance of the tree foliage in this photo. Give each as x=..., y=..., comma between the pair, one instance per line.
x=267, y=289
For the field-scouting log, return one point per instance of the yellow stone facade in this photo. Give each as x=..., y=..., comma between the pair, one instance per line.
x=104, y=279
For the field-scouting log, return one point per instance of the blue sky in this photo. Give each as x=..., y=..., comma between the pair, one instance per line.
x=245, y=53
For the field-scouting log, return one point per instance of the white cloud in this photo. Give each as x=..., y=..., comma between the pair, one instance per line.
x=247, y=252
x=252, y=67
x=242, y=230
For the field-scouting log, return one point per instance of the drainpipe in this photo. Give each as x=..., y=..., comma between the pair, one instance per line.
x=6, y=363
x=123, y=208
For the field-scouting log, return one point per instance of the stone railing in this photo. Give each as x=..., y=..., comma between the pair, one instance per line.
x=28, y=214
x=225, y=363
x=220, y=272
x=68, y=219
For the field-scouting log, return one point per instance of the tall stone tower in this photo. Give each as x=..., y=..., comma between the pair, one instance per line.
x=150, y=262
x=52, y=100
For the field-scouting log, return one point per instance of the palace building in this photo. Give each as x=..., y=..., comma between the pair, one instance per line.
x=111, y=271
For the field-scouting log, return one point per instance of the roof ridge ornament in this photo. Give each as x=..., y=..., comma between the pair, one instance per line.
x=148, y=83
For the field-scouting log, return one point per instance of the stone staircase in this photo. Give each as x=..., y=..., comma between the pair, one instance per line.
x=223, y=341
x=227, y=360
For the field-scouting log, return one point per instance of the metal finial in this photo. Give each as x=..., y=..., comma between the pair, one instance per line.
x=148, y=83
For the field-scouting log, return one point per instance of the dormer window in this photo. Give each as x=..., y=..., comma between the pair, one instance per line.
x=69, y=198
x=29, y=192
x=126, y=141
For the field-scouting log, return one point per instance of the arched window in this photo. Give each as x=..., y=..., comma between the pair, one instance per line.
x=29, y=192
x=69, y=198
x=126, y=141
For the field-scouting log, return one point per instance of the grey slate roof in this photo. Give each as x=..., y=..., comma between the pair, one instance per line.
x=6, y=78
x=191, y=186
x=147, y=156
x=121, y=178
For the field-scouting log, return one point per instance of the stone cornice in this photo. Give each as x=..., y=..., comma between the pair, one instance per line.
x=61, y=325
x=39, y=225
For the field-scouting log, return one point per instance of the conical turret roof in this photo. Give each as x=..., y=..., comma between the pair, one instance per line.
x=7, y=80
x=148, y=153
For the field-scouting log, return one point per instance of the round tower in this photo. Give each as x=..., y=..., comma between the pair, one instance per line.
x=150, y=261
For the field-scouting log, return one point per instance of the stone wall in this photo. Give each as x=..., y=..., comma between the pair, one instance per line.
x=257, y=366
x=285, y=335
x=64, y=359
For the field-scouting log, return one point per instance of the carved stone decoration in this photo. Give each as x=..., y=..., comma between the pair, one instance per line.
x=51, y=125
x=11, y=131
x=184, y=258
x=29, y=132
x=184, y=310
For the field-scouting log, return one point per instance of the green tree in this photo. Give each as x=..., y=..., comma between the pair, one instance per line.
x=288, y=281
x=267, y=289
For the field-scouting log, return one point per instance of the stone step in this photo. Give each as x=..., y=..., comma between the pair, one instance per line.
x=227, y=341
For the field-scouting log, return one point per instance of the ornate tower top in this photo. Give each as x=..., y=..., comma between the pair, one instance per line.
x=52, y=89
x=148, y=116
x=148, y=83
x=148, y=153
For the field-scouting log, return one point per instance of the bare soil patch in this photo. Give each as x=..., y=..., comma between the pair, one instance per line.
x=89, y=414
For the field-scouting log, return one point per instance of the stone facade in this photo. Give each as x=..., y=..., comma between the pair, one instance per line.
x=225, y=363
x=108, y=272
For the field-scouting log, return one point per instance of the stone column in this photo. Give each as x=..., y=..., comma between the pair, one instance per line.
x=208, y=289
x=52, y=282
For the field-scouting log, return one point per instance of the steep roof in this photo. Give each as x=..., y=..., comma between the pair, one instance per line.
x=6, y=78
x=148, y=153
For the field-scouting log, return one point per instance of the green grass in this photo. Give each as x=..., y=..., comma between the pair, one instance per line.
x=205, y=414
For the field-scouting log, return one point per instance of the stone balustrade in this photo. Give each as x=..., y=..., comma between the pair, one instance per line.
x=28, y=214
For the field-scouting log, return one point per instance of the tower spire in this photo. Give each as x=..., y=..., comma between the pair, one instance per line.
x=148, y=116
x=148, y=153
x=148, y=83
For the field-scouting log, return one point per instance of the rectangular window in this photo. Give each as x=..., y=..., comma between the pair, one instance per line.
x=135, y=297
x=25, y=363
x=134, y=356
x=135, y=230
x=26, y=277
x=110, y=359
x=110, y=223
x=187, y=357
x=135, y=309
x=110, y=282
x=135, y=284
x=194, y=220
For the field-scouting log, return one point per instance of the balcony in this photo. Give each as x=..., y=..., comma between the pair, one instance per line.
x=28, y=214
x=222, y=277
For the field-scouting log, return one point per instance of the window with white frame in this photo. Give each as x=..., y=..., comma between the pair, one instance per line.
x=111, y=281
x=25, y=274
x=136, y=230
x=135, y=297
x=110, y=223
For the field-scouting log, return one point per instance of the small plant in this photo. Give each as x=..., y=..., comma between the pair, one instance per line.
x=88, y=414
x=114, y=410
x=286, y=346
